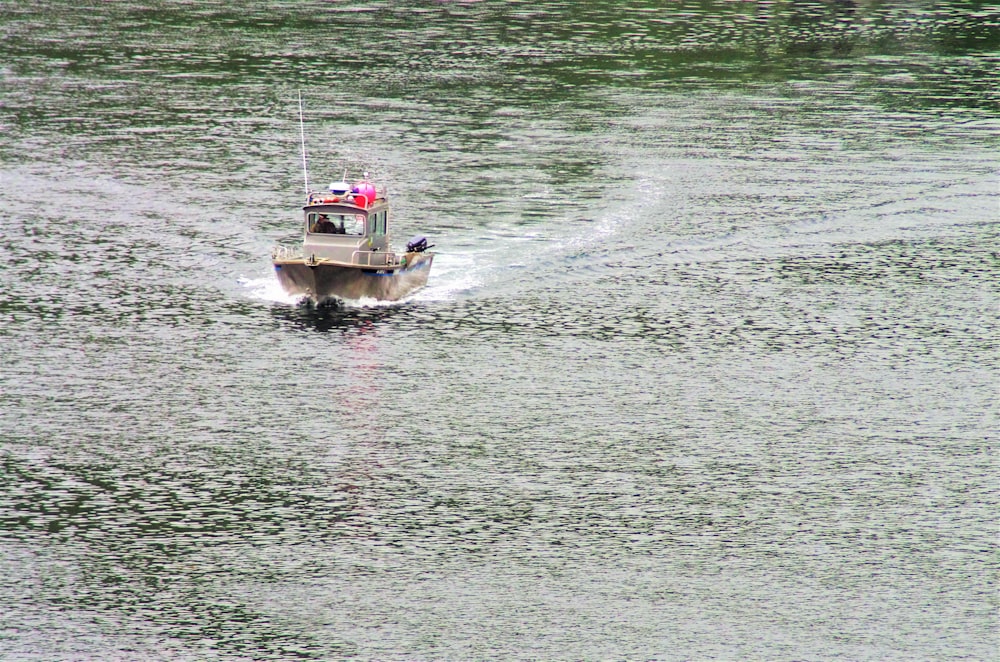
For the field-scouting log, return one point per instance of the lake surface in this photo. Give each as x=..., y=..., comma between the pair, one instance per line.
x=706, y=367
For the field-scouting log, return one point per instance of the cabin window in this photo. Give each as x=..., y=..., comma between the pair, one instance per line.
x=325, y=223
x=378, y=223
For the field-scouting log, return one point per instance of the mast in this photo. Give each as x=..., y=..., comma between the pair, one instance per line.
x=302, y=131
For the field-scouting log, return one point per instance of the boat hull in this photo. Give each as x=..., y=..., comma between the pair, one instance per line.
x=325, y=281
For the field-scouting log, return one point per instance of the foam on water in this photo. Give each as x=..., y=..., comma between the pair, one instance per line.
x=267, y=288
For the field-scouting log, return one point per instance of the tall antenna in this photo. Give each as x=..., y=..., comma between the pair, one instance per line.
x=302, y=130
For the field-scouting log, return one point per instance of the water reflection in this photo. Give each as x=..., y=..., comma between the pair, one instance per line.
x=345, y=318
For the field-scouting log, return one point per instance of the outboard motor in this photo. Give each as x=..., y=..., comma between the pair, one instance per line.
x=418, y=245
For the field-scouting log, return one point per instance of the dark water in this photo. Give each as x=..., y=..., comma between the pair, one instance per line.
x=706, y=367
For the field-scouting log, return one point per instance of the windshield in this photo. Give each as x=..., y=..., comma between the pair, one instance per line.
x=324, y=223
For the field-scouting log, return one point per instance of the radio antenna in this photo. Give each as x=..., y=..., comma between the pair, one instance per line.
x=302, y=131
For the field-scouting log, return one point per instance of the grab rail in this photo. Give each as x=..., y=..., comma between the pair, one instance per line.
x=317, y=198
x=360, y=258
x=280, y=252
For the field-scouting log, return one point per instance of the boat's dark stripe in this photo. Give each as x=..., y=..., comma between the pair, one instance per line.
x=422, y=265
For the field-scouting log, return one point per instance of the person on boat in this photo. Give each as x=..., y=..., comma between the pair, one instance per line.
x=323, y=225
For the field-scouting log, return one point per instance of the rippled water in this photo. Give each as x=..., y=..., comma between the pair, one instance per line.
x=706, y=367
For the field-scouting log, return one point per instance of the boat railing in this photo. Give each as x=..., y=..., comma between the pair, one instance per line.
x=360, y=258
x=357, y=199
x=280, y=252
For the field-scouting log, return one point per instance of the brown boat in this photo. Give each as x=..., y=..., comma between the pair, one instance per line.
x=345, y=251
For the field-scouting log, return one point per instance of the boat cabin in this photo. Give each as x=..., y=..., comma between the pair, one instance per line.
x=348, y=232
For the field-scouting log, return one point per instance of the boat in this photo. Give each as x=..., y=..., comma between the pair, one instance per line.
x=345, y=251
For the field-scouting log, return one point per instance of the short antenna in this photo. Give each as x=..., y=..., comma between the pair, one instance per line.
x=302, y=131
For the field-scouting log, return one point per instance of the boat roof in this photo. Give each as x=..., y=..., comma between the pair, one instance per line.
x=363, y=197
x=342, y=207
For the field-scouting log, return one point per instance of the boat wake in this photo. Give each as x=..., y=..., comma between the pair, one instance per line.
x=268, y=288
x=454, y=275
